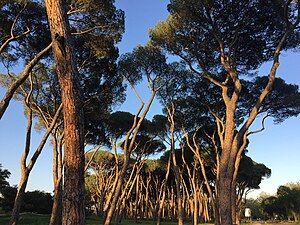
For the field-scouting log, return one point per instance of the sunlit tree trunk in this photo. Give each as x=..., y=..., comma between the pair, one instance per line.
x=128, y=147
x=163, y=189
x=27, y=168
x=19, y=198
x=68, y=76
x=180, y=210
x=146, y=198
x=56, y=214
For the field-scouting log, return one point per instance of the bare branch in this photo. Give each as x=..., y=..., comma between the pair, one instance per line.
x=44, y=139
x=20, y=80
x=262, y=126
x=12, y=36
x=90, y=29
x=91, y=159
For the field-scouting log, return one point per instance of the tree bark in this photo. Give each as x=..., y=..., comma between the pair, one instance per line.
x=180, y=210
x=68, y=76
x=56, y=214
x=163, y=189
x=19, y=198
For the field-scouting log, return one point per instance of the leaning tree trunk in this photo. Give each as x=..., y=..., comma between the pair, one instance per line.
x=56, y=214
x=180, y=209
x=68, y=76
x=20, y=80
x=19, y=198
x=26, y=169
x=115, y=198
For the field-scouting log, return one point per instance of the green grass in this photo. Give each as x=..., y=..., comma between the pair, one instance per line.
x=28, y=219
x=35, y=219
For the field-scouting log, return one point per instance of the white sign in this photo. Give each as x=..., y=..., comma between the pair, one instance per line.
x=247, y=212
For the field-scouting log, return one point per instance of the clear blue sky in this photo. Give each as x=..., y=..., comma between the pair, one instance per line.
x=278, y=147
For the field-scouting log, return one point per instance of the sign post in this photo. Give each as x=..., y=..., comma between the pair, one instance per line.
x=248, y=214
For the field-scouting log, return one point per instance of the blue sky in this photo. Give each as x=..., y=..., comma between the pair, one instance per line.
x=278, y=147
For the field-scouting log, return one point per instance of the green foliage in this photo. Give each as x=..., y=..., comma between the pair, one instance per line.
x=4, y=175
x=7, y=202
x=29, y=22
x=37, y=202
x=99, y=22
x=152, y=164
x=119, y=123
x=146, y=145
x=281, y=103
x=96, y=27
x=251, y=173
x=34, y=201
x=285, y=204
x=256, y=209
x=103, y=158
x=194, y=28
x=144, y=61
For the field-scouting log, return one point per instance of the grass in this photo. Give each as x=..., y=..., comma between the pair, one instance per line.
x=27, y=219
x=36, y=219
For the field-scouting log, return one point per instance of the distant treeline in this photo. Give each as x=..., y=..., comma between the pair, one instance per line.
x=34, y=201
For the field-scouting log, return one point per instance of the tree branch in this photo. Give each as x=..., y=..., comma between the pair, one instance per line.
x=20, y=80
x=262, y=126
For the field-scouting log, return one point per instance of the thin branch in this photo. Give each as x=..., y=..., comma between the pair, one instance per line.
x=44, y=139
x=20, y=80
x=12, y=36
x=90, y=29
x=28, y=129
x=262, y=126
x=91, y=159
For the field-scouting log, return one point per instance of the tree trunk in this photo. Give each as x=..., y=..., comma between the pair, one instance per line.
x=136, y=205
x=68, y=76
x=26, y=169
x=226, y=189
x=195, y=207
x=163, y=189
x=115, y=198
x=56, y=214
x=224, y=201
x=180, y=210
x=19, y=198
x=111, y=193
